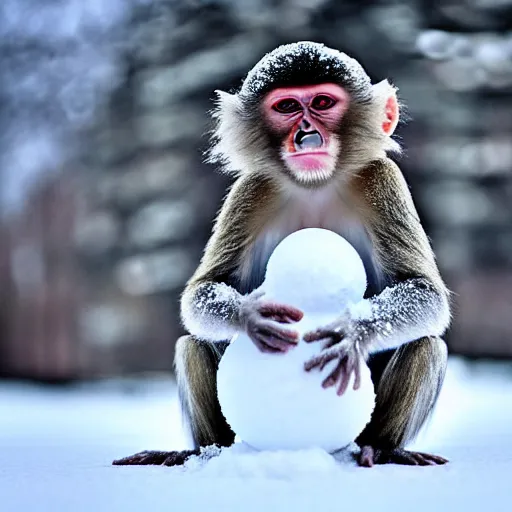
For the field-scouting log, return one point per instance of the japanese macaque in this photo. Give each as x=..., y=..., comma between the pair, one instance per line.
x=307, y=138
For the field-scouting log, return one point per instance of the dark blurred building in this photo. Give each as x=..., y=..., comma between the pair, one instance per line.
x=95, y=253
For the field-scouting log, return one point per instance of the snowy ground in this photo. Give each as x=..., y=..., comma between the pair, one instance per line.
x=56, y=447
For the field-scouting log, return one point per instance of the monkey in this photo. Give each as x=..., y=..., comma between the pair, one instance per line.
x=308, y=138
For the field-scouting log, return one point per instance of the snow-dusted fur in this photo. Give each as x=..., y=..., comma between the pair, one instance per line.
x=366, y=200
x=304, y=63
x=241, y=143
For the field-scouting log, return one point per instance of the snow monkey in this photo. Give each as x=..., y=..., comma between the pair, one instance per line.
x=307, y=137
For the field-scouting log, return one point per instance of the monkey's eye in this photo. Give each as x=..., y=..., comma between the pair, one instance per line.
x=287, y=106
x=322, y=102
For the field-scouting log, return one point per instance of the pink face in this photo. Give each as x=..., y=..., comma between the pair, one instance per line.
x=306, y=118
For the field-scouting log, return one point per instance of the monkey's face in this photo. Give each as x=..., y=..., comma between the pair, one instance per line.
x=306, y=121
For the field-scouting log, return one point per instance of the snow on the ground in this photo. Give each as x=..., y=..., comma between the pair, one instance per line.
x=56, y=446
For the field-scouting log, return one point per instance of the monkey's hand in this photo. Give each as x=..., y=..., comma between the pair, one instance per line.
x=260, y=319
x=344, y=344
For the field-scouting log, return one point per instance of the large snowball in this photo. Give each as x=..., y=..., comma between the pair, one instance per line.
x=268, y=399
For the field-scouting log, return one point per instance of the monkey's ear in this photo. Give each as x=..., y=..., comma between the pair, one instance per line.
x=385, y=98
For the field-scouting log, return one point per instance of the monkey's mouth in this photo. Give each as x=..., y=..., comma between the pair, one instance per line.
x=308, y=141
x=311, y=156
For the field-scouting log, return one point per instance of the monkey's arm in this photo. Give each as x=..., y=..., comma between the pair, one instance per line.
x=416, y=304
x=211, y=308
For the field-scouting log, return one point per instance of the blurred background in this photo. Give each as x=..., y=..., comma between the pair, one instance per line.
x=105, y=204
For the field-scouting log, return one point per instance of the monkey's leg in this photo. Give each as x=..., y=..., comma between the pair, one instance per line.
x=196, y=364
x=406, y=393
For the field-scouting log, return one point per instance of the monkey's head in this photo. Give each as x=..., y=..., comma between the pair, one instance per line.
x=306, y=112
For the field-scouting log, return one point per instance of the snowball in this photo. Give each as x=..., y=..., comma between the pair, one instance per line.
x=269, y=400
x=315, y=270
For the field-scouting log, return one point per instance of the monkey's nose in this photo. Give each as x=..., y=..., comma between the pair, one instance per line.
x=305, y=124
x=308, y=140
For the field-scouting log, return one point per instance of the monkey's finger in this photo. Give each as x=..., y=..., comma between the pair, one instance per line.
x=367, y=457
x=259, y=340
x=145, y=458
x=422, y=461
x=328, y=341
x=266, y=349
x=333, y=377
x=321, y=359
x=280, y=310
x=317, y=335
x=325, y=332
x=436, y=459
x=345, y=379
x=328, y=359
x=401, y=457
x=272, y=342
x=262, y=334
x=357, y=374
x=281, y=319
x=273, y=329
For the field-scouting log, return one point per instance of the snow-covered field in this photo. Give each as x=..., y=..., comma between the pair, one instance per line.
x=56, y=447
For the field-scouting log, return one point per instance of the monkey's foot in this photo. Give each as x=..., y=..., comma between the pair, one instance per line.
x=369, y=456
x=148, y=458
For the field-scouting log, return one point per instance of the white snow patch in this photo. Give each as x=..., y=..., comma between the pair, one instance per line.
x=56, y=447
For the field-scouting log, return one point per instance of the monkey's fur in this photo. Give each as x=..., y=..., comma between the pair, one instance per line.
x=368, y=202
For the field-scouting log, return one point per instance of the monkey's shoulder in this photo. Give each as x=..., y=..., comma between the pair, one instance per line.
x=382, y=172
x=249, y=201
x=382, y=185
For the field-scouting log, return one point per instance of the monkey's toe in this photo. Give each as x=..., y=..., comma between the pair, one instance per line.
x=156, y=458
x=370, y=456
